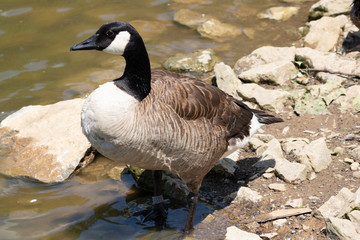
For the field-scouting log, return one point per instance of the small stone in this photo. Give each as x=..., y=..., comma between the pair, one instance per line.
x=311, y=176
x=279, y=222
x=268, y=175
x=354, y=166
x=294, y=203
x=279, y=187
x=269, y=235
x=234, y=233
x=339, y=150
x=246, y=194
x=348, y=160
x=356, y=174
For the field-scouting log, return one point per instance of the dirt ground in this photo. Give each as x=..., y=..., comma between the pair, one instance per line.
x=313, y=192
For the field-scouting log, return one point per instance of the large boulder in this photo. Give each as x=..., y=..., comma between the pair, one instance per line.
x=43, y=142
x=324, y=33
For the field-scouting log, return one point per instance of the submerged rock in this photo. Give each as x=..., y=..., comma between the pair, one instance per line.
x=43, y=142
x=278, y=13
x=190, y=18
x=198, y=61
x=217, y=30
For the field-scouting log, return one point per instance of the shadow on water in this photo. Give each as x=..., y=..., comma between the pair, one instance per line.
x=101, y=208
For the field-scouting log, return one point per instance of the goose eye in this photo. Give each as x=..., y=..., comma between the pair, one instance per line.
x=109, y=33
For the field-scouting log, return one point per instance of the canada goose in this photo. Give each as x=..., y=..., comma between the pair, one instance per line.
x=160, y=120
x=355, y=13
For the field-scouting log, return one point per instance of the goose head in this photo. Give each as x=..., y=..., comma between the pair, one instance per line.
x=114, y=37
x=121, y=38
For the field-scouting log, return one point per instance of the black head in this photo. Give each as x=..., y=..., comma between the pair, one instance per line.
x=113, y=37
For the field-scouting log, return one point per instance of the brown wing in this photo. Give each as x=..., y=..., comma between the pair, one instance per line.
x=192, y=99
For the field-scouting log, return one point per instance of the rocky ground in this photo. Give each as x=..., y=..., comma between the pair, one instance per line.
x=298, y=179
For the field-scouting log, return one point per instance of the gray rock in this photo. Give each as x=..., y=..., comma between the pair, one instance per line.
x=226, y=79
x=329, y=8
x=267, y=99
x=277, y=73
x=324, y=33
x=190, y=18
x=264, y=55
x=227, y=166
x=338, y=205
x=217, y=30
x=43, y=142
x=246, y=194
x=234, y=233
x=278, y=13
x=342, y=229
x=199, y=61
x=316, y=155
x=173, y=186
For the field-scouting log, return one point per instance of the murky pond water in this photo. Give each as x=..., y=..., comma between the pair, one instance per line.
x=36, y=67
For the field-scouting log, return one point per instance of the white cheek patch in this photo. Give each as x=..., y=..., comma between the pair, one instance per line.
x=118, y=45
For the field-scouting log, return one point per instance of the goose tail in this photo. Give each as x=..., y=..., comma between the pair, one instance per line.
x=266, y=118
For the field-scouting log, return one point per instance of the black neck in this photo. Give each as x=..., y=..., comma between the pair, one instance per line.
x=137, y=75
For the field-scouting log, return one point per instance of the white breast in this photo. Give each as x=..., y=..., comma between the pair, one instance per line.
x=106, y=114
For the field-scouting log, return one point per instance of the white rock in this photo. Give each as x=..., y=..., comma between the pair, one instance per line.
x=341, y=228
x=330, y=8
x=277, y=187
x=278, y=13
x=294, y=145
x=291, y=172
x=47, y=142
x=354, y=166
x=214, y=29
x=226, y=79
x=268, y=99
x=325, y=60
x=338, y=205
x=264, y=55
x=234, y=233
x=246, y=194
x=278, y=73
x=279, y=222
x=348, y=160
x=325, y=32
x=294, y=203
x=316, y=155
x=354, y=217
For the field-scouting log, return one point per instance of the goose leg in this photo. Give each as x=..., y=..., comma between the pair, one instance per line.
x=192, y=199
x=158, y=212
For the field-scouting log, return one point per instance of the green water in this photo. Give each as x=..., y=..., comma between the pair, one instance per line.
x=36, y=67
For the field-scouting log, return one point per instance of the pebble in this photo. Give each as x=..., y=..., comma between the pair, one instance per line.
x=356, y=174
x=294, y=203
x=277, y=187
x=339, y=150
x=354, y=166
x=268, y=175
x=348, y=160
x=279, y=222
